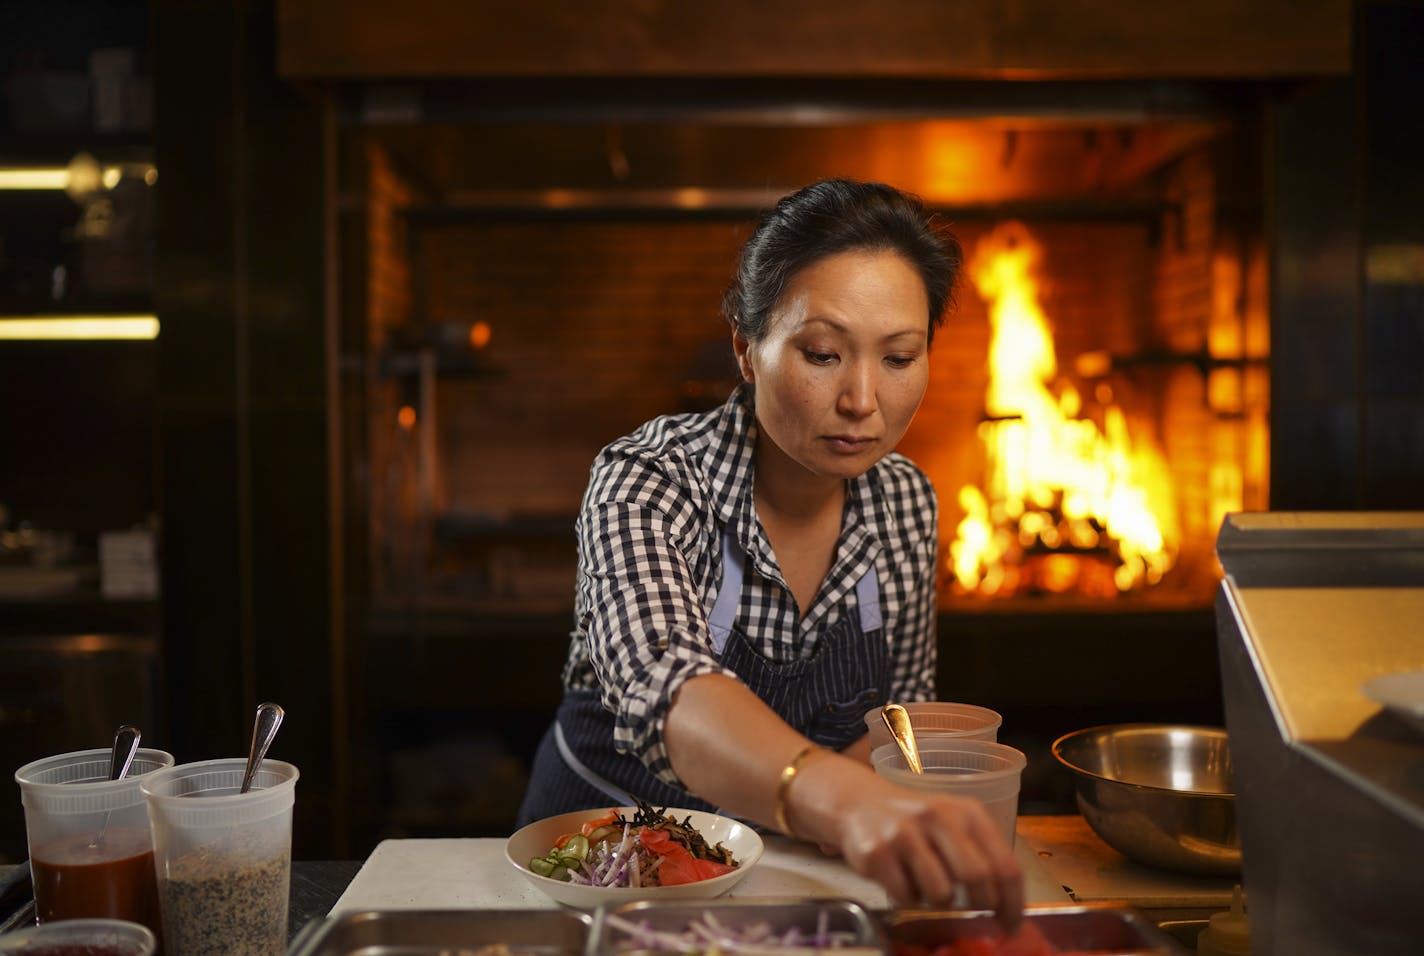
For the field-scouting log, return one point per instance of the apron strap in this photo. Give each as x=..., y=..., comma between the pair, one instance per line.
x=621, y=797
x=579, y=767
x=867, y=596
x=724, y=609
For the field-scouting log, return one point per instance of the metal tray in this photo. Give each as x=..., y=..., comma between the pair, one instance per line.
x=857, y=932
x=448, y=932
x=1089, y=928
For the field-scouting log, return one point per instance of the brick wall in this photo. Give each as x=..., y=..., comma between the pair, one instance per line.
x=598, y=325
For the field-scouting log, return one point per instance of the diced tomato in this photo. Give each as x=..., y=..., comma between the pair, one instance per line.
x=976, y=946
x=711, y=869
x=678, y=864
x=1028, y=941
x=659, y=842
x=685, y=868
x=607, y=819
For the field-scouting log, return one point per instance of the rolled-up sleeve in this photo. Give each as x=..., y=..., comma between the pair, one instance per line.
x=640, y=533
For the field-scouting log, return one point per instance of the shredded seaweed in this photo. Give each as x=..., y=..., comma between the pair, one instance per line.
x=682, y=832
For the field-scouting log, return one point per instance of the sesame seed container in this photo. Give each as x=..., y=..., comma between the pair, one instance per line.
x=224, y=858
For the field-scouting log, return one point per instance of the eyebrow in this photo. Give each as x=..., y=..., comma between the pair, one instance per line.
x=842, y=328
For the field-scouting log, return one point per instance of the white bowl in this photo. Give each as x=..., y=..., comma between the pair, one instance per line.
x=538, y=838
x=1402, y=694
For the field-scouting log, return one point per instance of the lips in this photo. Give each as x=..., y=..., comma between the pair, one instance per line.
x=849, y=444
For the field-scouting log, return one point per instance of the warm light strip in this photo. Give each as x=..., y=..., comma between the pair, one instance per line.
x=58, y=177
x=35, y=178
x=79, y=327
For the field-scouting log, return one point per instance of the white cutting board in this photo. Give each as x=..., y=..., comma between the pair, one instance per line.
x=475, y=874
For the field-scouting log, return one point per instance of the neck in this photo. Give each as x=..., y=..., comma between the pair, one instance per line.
x=785, y=488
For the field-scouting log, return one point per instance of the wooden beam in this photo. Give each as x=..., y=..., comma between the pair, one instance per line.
x=940, y=39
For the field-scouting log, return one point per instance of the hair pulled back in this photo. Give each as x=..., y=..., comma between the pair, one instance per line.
x=830, y=217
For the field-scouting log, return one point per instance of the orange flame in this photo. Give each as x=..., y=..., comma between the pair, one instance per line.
x=1062, y=493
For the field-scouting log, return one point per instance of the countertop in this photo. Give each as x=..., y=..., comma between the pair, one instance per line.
x=465, y=873
x=1063, y=861
x=1090, y=871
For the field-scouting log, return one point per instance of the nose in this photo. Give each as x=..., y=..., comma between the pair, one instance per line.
x=857, y=397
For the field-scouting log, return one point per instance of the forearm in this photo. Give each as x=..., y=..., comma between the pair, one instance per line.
x=860, y=750
x=730, y=748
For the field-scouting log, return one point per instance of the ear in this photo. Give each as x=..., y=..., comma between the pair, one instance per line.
x=742, y=349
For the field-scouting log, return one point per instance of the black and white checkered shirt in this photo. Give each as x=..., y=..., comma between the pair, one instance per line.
x=650, y=564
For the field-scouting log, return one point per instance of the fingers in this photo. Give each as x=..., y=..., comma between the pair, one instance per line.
x=984, y=863
x=925, y=850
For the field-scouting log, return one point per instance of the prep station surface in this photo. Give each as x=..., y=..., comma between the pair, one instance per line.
x=1063, y=862
x=475, y=873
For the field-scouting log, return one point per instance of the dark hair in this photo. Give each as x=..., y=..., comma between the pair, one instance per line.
x=833, y=216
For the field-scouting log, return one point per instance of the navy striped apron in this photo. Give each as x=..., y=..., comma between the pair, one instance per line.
x=825, y=697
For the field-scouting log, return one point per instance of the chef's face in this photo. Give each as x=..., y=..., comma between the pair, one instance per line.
x=843, y=364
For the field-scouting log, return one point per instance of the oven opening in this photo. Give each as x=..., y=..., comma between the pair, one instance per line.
x=1098, y=398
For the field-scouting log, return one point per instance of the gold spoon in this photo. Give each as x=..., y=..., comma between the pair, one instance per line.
x=898, y=721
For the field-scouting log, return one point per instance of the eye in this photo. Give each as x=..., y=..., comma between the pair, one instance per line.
x=818, y=358
x=900, y=361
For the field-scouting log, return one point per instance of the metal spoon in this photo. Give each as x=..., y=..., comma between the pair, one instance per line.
x=126, y=740
x=898, y=721
x=269, y=718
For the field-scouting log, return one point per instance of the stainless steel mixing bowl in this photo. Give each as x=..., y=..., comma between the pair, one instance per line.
x=1159, y=794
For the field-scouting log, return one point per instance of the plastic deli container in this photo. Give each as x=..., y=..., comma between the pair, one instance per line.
x=937, y=718
x=91, y=851
x=988, y=771
x=89, y=937
x=224, y=858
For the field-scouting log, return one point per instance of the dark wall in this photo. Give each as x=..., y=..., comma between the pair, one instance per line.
x=243, y=480
x=1347, y=221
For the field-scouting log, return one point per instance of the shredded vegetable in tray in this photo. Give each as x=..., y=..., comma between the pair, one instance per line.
x=651, y=849
x=709, y=935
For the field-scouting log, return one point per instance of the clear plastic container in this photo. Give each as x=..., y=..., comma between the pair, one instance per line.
x=93, y=937
x=988, y=771
x=91, y=850
x=937, y=718
x=224, y=858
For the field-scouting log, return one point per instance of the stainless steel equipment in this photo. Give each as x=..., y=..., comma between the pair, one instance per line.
x=647, y=927
x=421, y=932
x=1120, y=930
x=1330, y=789
x=1158, y=793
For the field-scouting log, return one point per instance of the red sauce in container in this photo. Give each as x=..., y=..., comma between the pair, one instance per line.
x=114, y=880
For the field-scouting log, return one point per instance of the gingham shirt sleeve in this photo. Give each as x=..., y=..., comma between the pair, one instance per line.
x=642, y=530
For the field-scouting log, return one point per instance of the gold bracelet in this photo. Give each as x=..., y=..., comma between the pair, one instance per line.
x=788, y=774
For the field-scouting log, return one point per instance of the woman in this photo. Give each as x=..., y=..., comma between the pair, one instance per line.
x=754, y=579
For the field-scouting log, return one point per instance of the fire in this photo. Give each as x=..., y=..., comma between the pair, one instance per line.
x=1067, y=504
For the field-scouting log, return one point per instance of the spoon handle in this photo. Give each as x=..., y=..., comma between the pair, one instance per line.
x=126, y=740
x=269, y=718
x=898, y=720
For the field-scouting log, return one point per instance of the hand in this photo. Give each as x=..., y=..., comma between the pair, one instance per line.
x=922, y=846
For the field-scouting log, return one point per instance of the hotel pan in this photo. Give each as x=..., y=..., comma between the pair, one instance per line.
x=861, y=931
x=421, y=932
x=1120, y=930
